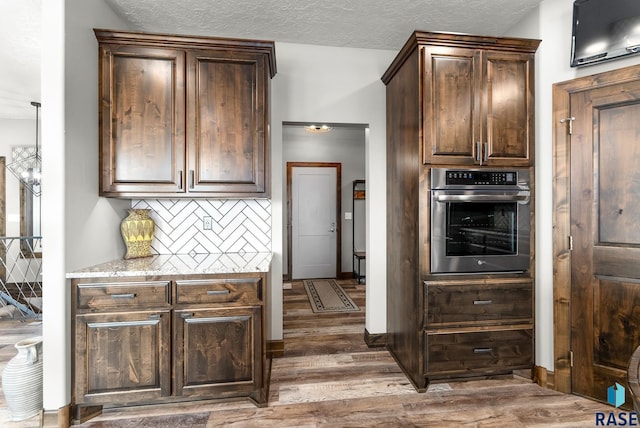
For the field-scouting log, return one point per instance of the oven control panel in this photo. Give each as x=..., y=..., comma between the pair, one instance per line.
x=481, y=178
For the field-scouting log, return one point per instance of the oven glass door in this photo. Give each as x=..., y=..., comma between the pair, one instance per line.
x=479, y=233
x=481, y=228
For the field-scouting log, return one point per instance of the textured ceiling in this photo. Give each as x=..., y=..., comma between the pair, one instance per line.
x=20, y=58
x=375, y=24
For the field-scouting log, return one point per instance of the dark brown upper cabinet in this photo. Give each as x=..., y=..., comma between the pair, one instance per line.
x=184, y=116
x=474, y=94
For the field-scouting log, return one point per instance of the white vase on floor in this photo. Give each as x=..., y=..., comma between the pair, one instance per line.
x=22, y=379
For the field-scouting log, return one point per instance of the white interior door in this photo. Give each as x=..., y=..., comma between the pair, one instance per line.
x=313, y=222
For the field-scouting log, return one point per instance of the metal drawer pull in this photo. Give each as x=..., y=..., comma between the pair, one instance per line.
x=482, y=302
x=123, y=296
x=482, y=350
x=154, y=317
x=217, y=292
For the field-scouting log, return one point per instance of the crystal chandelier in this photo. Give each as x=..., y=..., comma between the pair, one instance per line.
x=28, y=170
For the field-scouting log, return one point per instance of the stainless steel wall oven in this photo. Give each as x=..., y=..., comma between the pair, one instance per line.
x=480, y=220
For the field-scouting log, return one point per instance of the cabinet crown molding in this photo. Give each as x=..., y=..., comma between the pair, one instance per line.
x=177, y=41
x=460, y=40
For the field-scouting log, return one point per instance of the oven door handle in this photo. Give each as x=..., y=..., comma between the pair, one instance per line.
x=521, y=198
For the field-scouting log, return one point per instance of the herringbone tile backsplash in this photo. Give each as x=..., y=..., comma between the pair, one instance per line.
x=238, y=226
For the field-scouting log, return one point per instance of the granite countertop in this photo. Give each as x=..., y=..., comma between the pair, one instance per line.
x=179, y=264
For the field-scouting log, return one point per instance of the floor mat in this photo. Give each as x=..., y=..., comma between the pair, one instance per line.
x=326, y=295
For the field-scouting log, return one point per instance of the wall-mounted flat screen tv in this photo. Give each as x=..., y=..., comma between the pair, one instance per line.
x=604, y=30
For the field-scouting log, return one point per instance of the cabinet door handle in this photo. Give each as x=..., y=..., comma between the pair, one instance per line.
x=180, y=179
x=479, y=152
x=482, y=302
x=123, y=296
x=486, y=152
x=482, y=350
x=217, y=292
x=192, y=178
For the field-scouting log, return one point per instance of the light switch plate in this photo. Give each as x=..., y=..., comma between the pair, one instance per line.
x=348, y=216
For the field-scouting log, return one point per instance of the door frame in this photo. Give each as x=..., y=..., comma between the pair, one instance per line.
x=338, y=168
x=562, y=213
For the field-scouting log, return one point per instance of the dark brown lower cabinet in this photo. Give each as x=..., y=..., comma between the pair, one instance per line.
x=477, y=327
x=217, y=352
x=478, y=353
x=128, y=354
x=167, y=339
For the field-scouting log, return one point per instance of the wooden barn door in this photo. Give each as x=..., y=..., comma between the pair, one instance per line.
x=605, y=232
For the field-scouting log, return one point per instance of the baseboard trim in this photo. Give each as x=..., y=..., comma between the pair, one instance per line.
x=275, y=348
x=524, y=373
x=60, y=418
x=543, y=377
x=345, y=275
x=377, y=340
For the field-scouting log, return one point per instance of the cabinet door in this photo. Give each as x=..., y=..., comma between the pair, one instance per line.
x=122, y=357
x=508, y=102
x=227, y=120
x=142, y=107
x=218, y=352
x=451, y=96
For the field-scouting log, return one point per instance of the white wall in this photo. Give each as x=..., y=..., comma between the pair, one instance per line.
x=87, y=215
x=79, y=229
x=551, y=22
x=335, y=85
x=344, y=145
x=15, y=132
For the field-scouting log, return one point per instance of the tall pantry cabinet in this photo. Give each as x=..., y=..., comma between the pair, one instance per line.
x=459, y=101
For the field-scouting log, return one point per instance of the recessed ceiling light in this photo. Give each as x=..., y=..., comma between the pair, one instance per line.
x=317, y=129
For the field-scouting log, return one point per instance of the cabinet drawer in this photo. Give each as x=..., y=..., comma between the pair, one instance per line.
x=482, y=352
x=242, y=290
x=119, y=295
x=470, y=303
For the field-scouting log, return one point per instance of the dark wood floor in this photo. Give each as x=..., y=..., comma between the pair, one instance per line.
x=329, y=377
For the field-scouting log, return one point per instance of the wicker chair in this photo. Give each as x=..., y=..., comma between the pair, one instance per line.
x=633, y=378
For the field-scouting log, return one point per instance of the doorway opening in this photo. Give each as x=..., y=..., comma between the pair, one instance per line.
x=344, y=144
